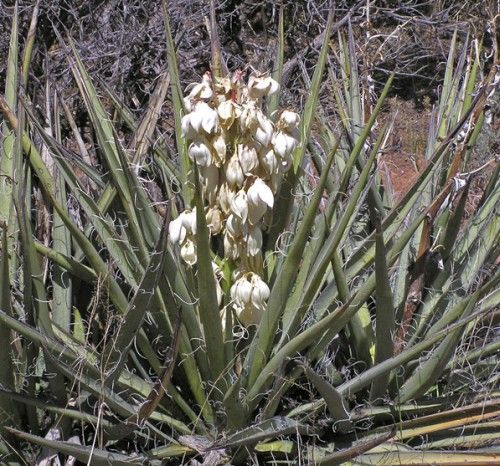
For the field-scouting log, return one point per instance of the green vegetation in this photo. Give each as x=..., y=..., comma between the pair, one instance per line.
x=148, y=319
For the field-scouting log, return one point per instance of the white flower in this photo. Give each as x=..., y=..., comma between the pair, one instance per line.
x=260, y=197
x=234, y=172
x=260, y=292
x=261, y=86
x=269, y=162
x=231, y=247
x=228, y=111
x=283, y=144
x=187, y=104
x=289, y=120
x=189, y=220
x=247, y=157
x=183, y=225
x=235, y=226
x=176, y=231
x=264, y=132
x=203, y=117
x=249, y=293
x=201, y=90
x=254, y=241
x=200, y=153
x=241, y=291
x=215, y=220
x=225, y=197
x=248, y=117
x=188, y=252
x=219, y=144
x=239, y=205
x=187, y=128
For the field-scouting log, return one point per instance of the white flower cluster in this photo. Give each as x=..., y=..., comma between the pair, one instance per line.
x=242, y=157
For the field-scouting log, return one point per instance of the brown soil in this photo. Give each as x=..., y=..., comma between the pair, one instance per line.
x=404, y=155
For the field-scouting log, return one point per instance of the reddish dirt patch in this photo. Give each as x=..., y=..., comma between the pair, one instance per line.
x=404, y=154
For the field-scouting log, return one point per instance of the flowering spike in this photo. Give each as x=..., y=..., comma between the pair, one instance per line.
x=242, y=157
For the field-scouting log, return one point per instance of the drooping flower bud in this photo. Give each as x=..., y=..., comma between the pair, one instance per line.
x=228, y=111
x=232, y=248
x=241, y=291
x=201, y=90
x=189, y=220
x=183, y=225
x=239, y=205
x=248, y=117
x=215, y=220
x=261, y=86
x=269, y=162
x=289, y=120
x=226, y=195
x=284, y=144
x=249, y=294
x=260, y=292
x=210, y=175
x=219, y=144
x=234, y=172
x=200, y=153
x=188, y=252
x=176, y=231
x=260, y=197
x=264, y=132
x=235, y=226
x=247, y=157
x=254, y=241
x=202, y=117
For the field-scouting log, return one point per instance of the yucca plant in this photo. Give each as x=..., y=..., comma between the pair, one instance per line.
x=216, y=303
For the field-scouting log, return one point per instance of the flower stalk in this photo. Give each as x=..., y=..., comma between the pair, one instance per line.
x=241, y=156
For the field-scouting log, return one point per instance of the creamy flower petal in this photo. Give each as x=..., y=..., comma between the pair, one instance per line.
x=283, y=144
x=264, y=132
x=260, y=197
x=196, y=119
x=228, y=111
x=261, y=86
x=241, y=291
x=188, y=252
x=200, y=153
x=176, y=230
x=234, y=172
x=269, y=162
x=188, y=219
x=289, y=119
x=225, y=197
x=215, y=220
x=235, y=226
x=187, y=129
x=260, y=292
x=239, y=205
x=231, y=249
x=260, y=192
x=219, y=144
x=248, y=158
x=210, y=175
x=248, y=117
x=254, y=241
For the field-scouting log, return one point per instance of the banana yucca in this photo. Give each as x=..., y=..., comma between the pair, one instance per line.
x=215, y=304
